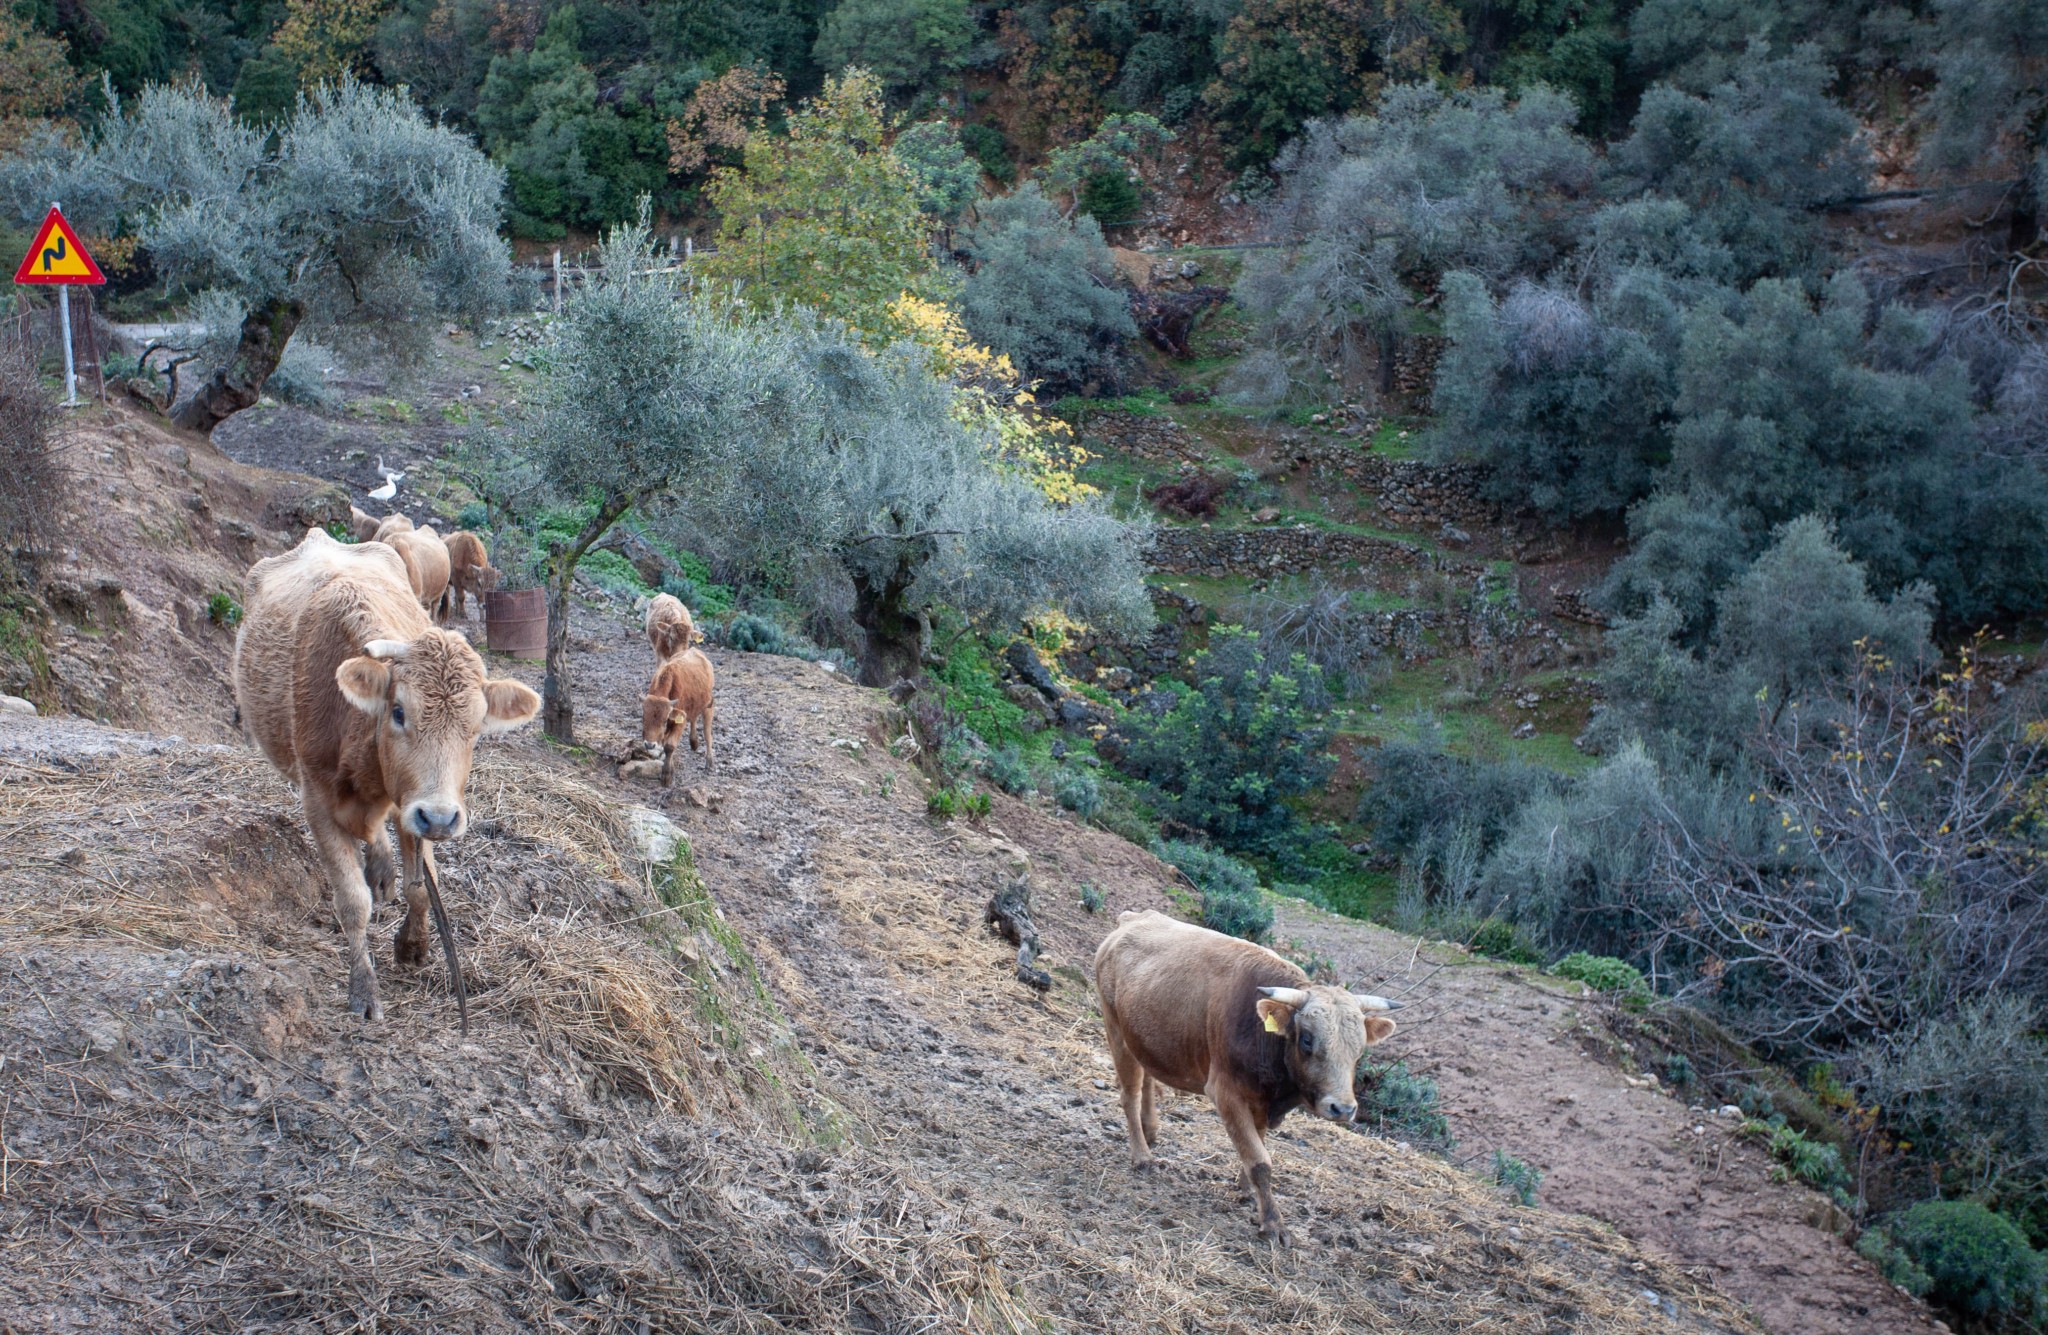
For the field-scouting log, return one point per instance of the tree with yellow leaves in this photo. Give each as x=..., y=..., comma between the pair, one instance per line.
x=827, y=217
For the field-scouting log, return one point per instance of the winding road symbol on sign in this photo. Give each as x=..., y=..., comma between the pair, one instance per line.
x=55, y=256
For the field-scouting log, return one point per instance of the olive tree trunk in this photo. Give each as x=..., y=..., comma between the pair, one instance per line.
x=558, y=711
x=882, y=609
x=265, y=331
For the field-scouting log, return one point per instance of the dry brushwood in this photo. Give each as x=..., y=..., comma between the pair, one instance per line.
x=1194, y=496
x=1009, y=913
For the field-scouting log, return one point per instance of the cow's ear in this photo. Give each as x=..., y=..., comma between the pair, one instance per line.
x=365, y=683
x=1276, y=1014
x=507, y=704
x=1378, y=1028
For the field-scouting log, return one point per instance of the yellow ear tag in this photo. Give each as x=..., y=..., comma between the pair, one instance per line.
x=1274, y=1024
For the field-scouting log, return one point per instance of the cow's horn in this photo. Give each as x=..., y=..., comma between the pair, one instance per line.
x=387, y=649
x=1286, y=996
x=1368, y=1001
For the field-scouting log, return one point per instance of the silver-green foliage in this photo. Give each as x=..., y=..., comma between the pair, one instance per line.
x=1043, y=291
x=1374, y=205
x=357, y=206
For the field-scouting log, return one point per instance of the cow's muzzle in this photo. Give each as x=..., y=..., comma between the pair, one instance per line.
x=1339, y=1112
x=429, y=820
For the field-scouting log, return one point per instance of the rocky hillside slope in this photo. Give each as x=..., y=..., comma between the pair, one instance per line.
x=743, y=1056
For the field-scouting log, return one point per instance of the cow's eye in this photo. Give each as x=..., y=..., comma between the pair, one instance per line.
x=398, y=716
x=1308, y=1042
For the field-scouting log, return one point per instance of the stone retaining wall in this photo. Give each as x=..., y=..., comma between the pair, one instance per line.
x=1290, y=550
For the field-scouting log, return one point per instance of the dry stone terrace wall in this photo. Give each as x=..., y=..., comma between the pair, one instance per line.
x=1409, y=491
x=1291, y=550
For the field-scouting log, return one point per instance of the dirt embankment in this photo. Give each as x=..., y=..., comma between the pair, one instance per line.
x=784, y=1081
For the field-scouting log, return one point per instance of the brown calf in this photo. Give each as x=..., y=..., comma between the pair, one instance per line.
x=679, y=696
x=670, y=630
x=370, y=711
x=469, y=572
x=363, y=524
x=1210, y=1014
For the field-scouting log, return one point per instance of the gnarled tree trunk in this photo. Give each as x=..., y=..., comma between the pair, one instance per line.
x=881, y=608
x=237, y=385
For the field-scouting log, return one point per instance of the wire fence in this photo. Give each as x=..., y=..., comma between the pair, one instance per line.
x=34, y=330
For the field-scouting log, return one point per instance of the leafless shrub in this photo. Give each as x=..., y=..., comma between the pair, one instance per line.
x=1194, y=496
x=1324, y=628
x=1545, y=328
x=32, y=473
x=1905, y=878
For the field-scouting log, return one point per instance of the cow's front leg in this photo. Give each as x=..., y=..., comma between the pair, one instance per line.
x=668, y=763
x=351, y=906
x=1243, y=1123
x=378, y=869
x=409, y=944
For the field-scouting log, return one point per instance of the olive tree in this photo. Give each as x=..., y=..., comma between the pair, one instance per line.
x=883, y=489
x=645, y=393
x=356, y=219
x=1043, y=289
x=1374, y=207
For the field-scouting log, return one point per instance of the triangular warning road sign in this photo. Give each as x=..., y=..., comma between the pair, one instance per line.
x=56, y=256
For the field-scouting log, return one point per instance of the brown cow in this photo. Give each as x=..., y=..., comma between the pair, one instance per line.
x=426, y=564
x=1214, y=1015
x=469, y=571
x=389, y=525
x=679, y=696
x=363, y=524
x=369, y=711
x=670, y=630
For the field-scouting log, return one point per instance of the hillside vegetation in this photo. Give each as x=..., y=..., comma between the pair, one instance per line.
x=1566, y=482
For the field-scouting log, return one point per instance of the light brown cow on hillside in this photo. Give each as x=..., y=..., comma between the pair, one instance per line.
x=389, y=525
x=426, y=564
x=369, y=711
x=364, y=524
x=670, y=629
x=469, y=572
x=679, y=696
x=1214, y=1015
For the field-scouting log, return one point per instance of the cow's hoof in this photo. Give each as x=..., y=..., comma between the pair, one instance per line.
x=408, y=947
x=362, y=993
x=1141, y=1165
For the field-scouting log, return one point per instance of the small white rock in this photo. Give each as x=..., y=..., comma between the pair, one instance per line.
x=14, y=704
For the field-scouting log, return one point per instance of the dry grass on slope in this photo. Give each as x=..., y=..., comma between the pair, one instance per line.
x=195, y=1135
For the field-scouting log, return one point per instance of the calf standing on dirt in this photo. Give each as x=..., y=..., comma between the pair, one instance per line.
x=370, y=711
x=679, y=696
x=670, y=629
x=1210, y=1014
x=469, y=572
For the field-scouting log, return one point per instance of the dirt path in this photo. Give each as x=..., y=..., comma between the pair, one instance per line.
x=1515, y=1057
x=868, y=919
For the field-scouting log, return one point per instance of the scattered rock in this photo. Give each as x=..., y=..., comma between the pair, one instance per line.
x=1265, y=515
x=640, y=769
x=704, y=799
x=1009, y=913
x=14, y=704
x=1523, y=731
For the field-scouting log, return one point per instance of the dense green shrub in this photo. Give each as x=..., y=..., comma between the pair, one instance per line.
x=1042, y=290
x=1974, y=1260
x=1602, y=973
x=1230, y=753
x=1230, y=898
x=1520, y=1178
x=1007, y=769
x=908, y=44
x=1396, y=1102
x=751, y=634
x=1078, y=790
